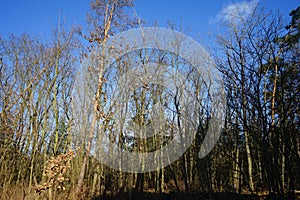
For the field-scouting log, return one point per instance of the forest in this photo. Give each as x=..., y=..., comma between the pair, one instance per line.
x=48, y=142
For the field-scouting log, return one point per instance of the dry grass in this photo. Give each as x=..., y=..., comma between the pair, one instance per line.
x=20, y=192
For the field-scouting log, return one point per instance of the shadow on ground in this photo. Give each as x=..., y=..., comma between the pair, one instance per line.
x=178, y=196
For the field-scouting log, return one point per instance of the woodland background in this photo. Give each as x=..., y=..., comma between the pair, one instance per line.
x=257, y=155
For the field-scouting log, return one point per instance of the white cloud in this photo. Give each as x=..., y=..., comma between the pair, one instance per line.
x=236, y=11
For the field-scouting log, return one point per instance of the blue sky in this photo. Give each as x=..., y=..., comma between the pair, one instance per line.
x=38, y=17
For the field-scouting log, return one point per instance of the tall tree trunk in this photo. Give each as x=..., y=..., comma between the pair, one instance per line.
x=107, y=25
x=244, y=117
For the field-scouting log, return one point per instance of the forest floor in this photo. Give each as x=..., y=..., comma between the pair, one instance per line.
x=186, y=196
x=16, y=193
x=180, y=196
